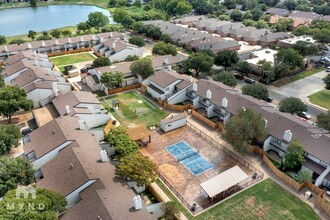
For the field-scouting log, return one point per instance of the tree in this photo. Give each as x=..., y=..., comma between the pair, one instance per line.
x=131, y=58
x=163, y=48
x=243, y=67
x=170, y=210
x=292, y=105
x=127, y=21
x=97, y=20
x=294, y=155
x=2, y=40
x=55, y=33
x=303, y=8
x=304, y=176
x=43, y=37
x=198, y=62
x=287, y=60
x=245, y=128
x=166, y=38
x=9, y=136
x=14, y=171
x=290, y=4
x=12, y=99
x=83, y=26
x=66, y=33
x=138, y=168
x=122, y=3
x=137, y=40
x=202, y=7
x=138, y=27
x=326, y=81
x=236, y=15
x=112, y=79
x=226, y=78
x=226, y=58
x=153, y=31
x=137, y=3
x=32, y=34
x=33, y=3
x=305, y=48
x=118, y=15
x=323, y=120
x=178, y=7
x=257, y=91
x=51, y=203
x=101, y=61
x=256, y=13
x=17, y=41
x=230, y=4
x=224, y=17
x=322, y=37
x=267, y=70
x=142, y=67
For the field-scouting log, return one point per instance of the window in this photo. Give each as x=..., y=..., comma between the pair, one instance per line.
x=277, y=140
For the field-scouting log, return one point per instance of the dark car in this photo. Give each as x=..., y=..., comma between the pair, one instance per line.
x=264, y=81
x=269, y=99
x=250, y=81
x=26, y=131
x=304, y=115
x=238, y=76
x=86, y=68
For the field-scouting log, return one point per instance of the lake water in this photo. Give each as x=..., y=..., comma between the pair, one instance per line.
x=17, y=21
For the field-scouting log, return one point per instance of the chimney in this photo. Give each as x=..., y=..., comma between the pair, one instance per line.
x=194, y=87
x=81, y=124
x=113, y=45
x=224, y=102
x=287, y=135
x=208, y=94
x=165, y=60
x=55, y=88
x=69, y=41
x=43, y=44
x=101, y=39
x=6, y=49
x=29, y=46
x=111, y=35
x=169, y=68
x=81, y=39
x=104, y=156
x=190, y=79
x=67, y=109
x=56, y=42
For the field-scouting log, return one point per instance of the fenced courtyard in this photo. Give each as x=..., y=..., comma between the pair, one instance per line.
x=181, y=180
x=133, y=109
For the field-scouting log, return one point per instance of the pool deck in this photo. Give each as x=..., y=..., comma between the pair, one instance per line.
x=186, y=183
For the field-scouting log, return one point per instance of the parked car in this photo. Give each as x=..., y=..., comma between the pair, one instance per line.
x=238, y=76
x=26, y=131
x=250, y=81
x=264, y=81
x=86, y=68
x=304, y=115
x=327, y=69
x=269, y=99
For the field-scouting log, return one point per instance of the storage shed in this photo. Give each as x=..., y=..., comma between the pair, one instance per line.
x=173, y=122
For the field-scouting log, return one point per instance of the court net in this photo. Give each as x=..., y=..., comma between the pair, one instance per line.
x=187, y=155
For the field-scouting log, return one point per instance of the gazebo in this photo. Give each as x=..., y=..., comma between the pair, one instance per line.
x=139, y=133
x=226, y=180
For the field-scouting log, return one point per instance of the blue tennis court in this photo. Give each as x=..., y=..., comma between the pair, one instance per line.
x=189, y=158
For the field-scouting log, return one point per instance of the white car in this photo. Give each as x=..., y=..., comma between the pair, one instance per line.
x=327, y=69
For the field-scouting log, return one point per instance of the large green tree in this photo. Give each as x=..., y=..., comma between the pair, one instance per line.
x=2, y=39
x=267, y=71
x=118, y=15
x=101, y=61
x=137, y=40
x=294, y=155
x=305, y=48
x=32, y=34
x=170, y=210
x=243, y=67
x=163, y=48
x=47, y=205
x=138, y=168
x=142, y=67
x=198, y=62
x=287, y=60
x=13, y=99
x=178, y=7
x=97, y=20
x=112, y=79
x=244, y=128
x=83, y=26
x=226, y=78
x=292, y=105
x=323, y=120
x=55, y=33
x=9, y=136
x=304, y=176
x=257, y=91
x=33, y=3
x=13, y=172
x=326, y=81
x=226, y=58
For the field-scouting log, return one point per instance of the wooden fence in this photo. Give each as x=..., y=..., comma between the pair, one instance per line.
x=69, y=52
x=320, y=201
x=143, y=88
x=108, y=126
x=180, y=108
x=125, y=88
x=203, y=119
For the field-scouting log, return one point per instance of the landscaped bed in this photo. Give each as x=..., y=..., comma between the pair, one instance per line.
x=72, y=59
x=265, y=200
x=321, y=98
x=134, y=109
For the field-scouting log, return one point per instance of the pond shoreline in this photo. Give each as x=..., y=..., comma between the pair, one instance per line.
x=41, y=4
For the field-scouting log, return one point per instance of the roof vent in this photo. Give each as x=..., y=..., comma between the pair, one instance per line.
x=194, y=87
x=224, y=102
x=208, y=94
x=54, y=131
x=287, y=135
x=67, y=109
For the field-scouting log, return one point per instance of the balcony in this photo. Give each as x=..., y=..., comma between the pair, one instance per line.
x=191, y=94
x=220, y=112
x=204, y=103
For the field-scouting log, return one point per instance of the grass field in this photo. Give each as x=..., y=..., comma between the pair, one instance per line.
x=133, y=10
x=265, y=200
x=134, y=110
x=321, y=98
x=72, y=59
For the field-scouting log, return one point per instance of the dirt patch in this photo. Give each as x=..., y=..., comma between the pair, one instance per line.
x=261, y=212
x=250, y=201
x=172, y=173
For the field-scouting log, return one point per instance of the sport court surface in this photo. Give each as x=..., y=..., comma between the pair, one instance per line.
x=189, y=158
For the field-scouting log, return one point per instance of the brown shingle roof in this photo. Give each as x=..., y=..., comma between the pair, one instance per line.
x=37, y=85
x=20, y=65
x=33, y=74
x=164, y=78
x=24, y=54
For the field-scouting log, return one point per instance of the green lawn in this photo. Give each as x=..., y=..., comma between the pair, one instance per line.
x=133, y=10
x=72, y=59
x=321, y=98
x=265, y=200
x=134, y=110
x=305, y=74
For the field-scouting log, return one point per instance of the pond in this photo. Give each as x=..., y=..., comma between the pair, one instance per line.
x=18, y=21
